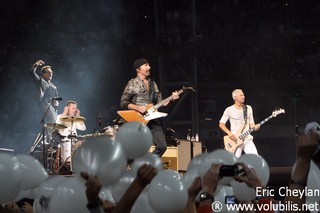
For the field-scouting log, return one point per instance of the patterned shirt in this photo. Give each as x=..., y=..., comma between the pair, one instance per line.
x=137, y=93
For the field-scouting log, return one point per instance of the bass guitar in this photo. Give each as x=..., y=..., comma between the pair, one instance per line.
x=152, y=110
x=231, y=145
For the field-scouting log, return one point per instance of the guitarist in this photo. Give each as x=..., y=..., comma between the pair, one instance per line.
x=240, y=117
x=139, y=92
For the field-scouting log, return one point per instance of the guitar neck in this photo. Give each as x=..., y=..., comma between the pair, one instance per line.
x=265, y=120
x=246, y=133
x=161, y=103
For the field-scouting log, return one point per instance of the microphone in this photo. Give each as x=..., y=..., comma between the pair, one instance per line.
x=57, y=99
x=99, y=118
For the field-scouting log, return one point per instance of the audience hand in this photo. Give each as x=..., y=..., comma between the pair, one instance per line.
x=249, y=176
x=27, y=208
x=307, y=145
x=195, y=188
x=211, y=179
x=145, y=174
x=93, y=188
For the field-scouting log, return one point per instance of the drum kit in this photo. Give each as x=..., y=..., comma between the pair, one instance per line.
x=58, y=151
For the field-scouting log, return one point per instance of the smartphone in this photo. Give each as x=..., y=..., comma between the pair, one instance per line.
x=230, y=199
x=228, y=170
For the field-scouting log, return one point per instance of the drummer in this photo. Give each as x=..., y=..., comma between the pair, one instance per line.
x=71, y=119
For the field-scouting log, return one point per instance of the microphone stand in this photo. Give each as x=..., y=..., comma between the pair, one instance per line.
x=43, y=136
x=98, y=123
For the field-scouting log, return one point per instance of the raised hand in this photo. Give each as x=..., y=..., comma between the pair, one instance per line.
x=249, y=176
x=93, y=188
x=38, y=63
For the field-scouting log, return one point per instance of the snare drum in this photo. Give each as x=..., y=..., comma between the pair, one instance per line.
x=66, y=150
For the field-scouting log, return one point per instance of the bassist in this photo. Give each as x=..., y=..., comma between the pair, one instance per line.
x=141, y=91
x=241, y=119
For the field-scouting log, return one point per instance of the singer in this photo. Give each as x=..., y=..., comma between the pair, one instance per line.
x=46, y=92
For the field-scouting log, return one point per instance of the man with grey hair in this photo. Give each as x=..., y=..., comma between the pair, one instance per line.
x=241, y=119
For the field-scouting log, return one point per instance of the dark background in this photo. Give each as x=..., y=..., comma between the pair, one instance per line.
x=269, y=48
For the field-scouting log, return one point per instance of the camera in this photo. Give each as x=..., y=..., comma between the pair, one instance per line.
x=229, y=199
x=228, y=170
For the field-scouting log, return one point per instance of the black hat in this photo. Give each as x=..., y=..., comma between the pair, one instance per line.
x=139, y=62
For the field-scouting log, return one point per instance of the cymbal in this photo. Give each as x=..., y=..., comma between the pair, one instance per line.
x=56, y=126
x=73, y=119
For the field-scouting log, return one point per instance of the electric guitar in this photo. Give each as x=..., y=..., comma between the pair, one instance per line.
x=152, y=110
x=232, y=146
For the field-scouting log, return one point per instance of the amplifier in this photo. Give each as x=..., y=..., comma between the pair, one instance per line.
x=178, y=158
x=169, y=158
x=186, y=151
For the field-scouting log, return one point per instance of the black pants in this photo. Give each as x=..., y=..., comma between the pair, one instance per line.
x=158, y=137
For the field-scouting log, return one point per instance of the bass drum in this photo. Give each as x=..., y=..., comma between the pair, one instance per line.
x=66, y=146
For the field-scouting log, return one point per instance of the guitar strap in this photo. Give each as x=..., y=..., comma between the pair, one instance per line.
x=151, y=92
x=245, y=116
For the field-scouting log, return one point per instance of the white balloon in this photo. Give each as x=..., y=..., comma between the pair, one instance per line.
x=136, y=139
x=45, y=192
x=242, y=191
x=29, y=193
x=10, y=178
x=189, y=176
x=32, y=172
x=167, y=192
x=206, y=165
x=259, y=164
x=312, y=126
x=197, y=161
x=22, y=194
x=32, y=193
x=120, y=187
x=223, y=155
x=69, y=197
x=217, y=156
x=101, y=156
x=151, y=159
x=142, y=204
x=313, y=183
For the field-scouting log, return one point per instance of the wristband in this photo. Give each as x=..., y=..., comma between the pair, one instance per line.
x=206, y=196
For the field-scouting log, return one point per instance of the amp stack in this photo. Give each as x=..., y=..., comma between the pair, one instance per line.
x=179, y=153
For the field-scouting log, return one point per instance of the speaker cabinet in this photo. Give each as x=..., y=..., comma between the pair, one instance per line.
x=184, y=154
x=186, y=151
x=197, y=148
x=178, y=158
x=169, y=158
